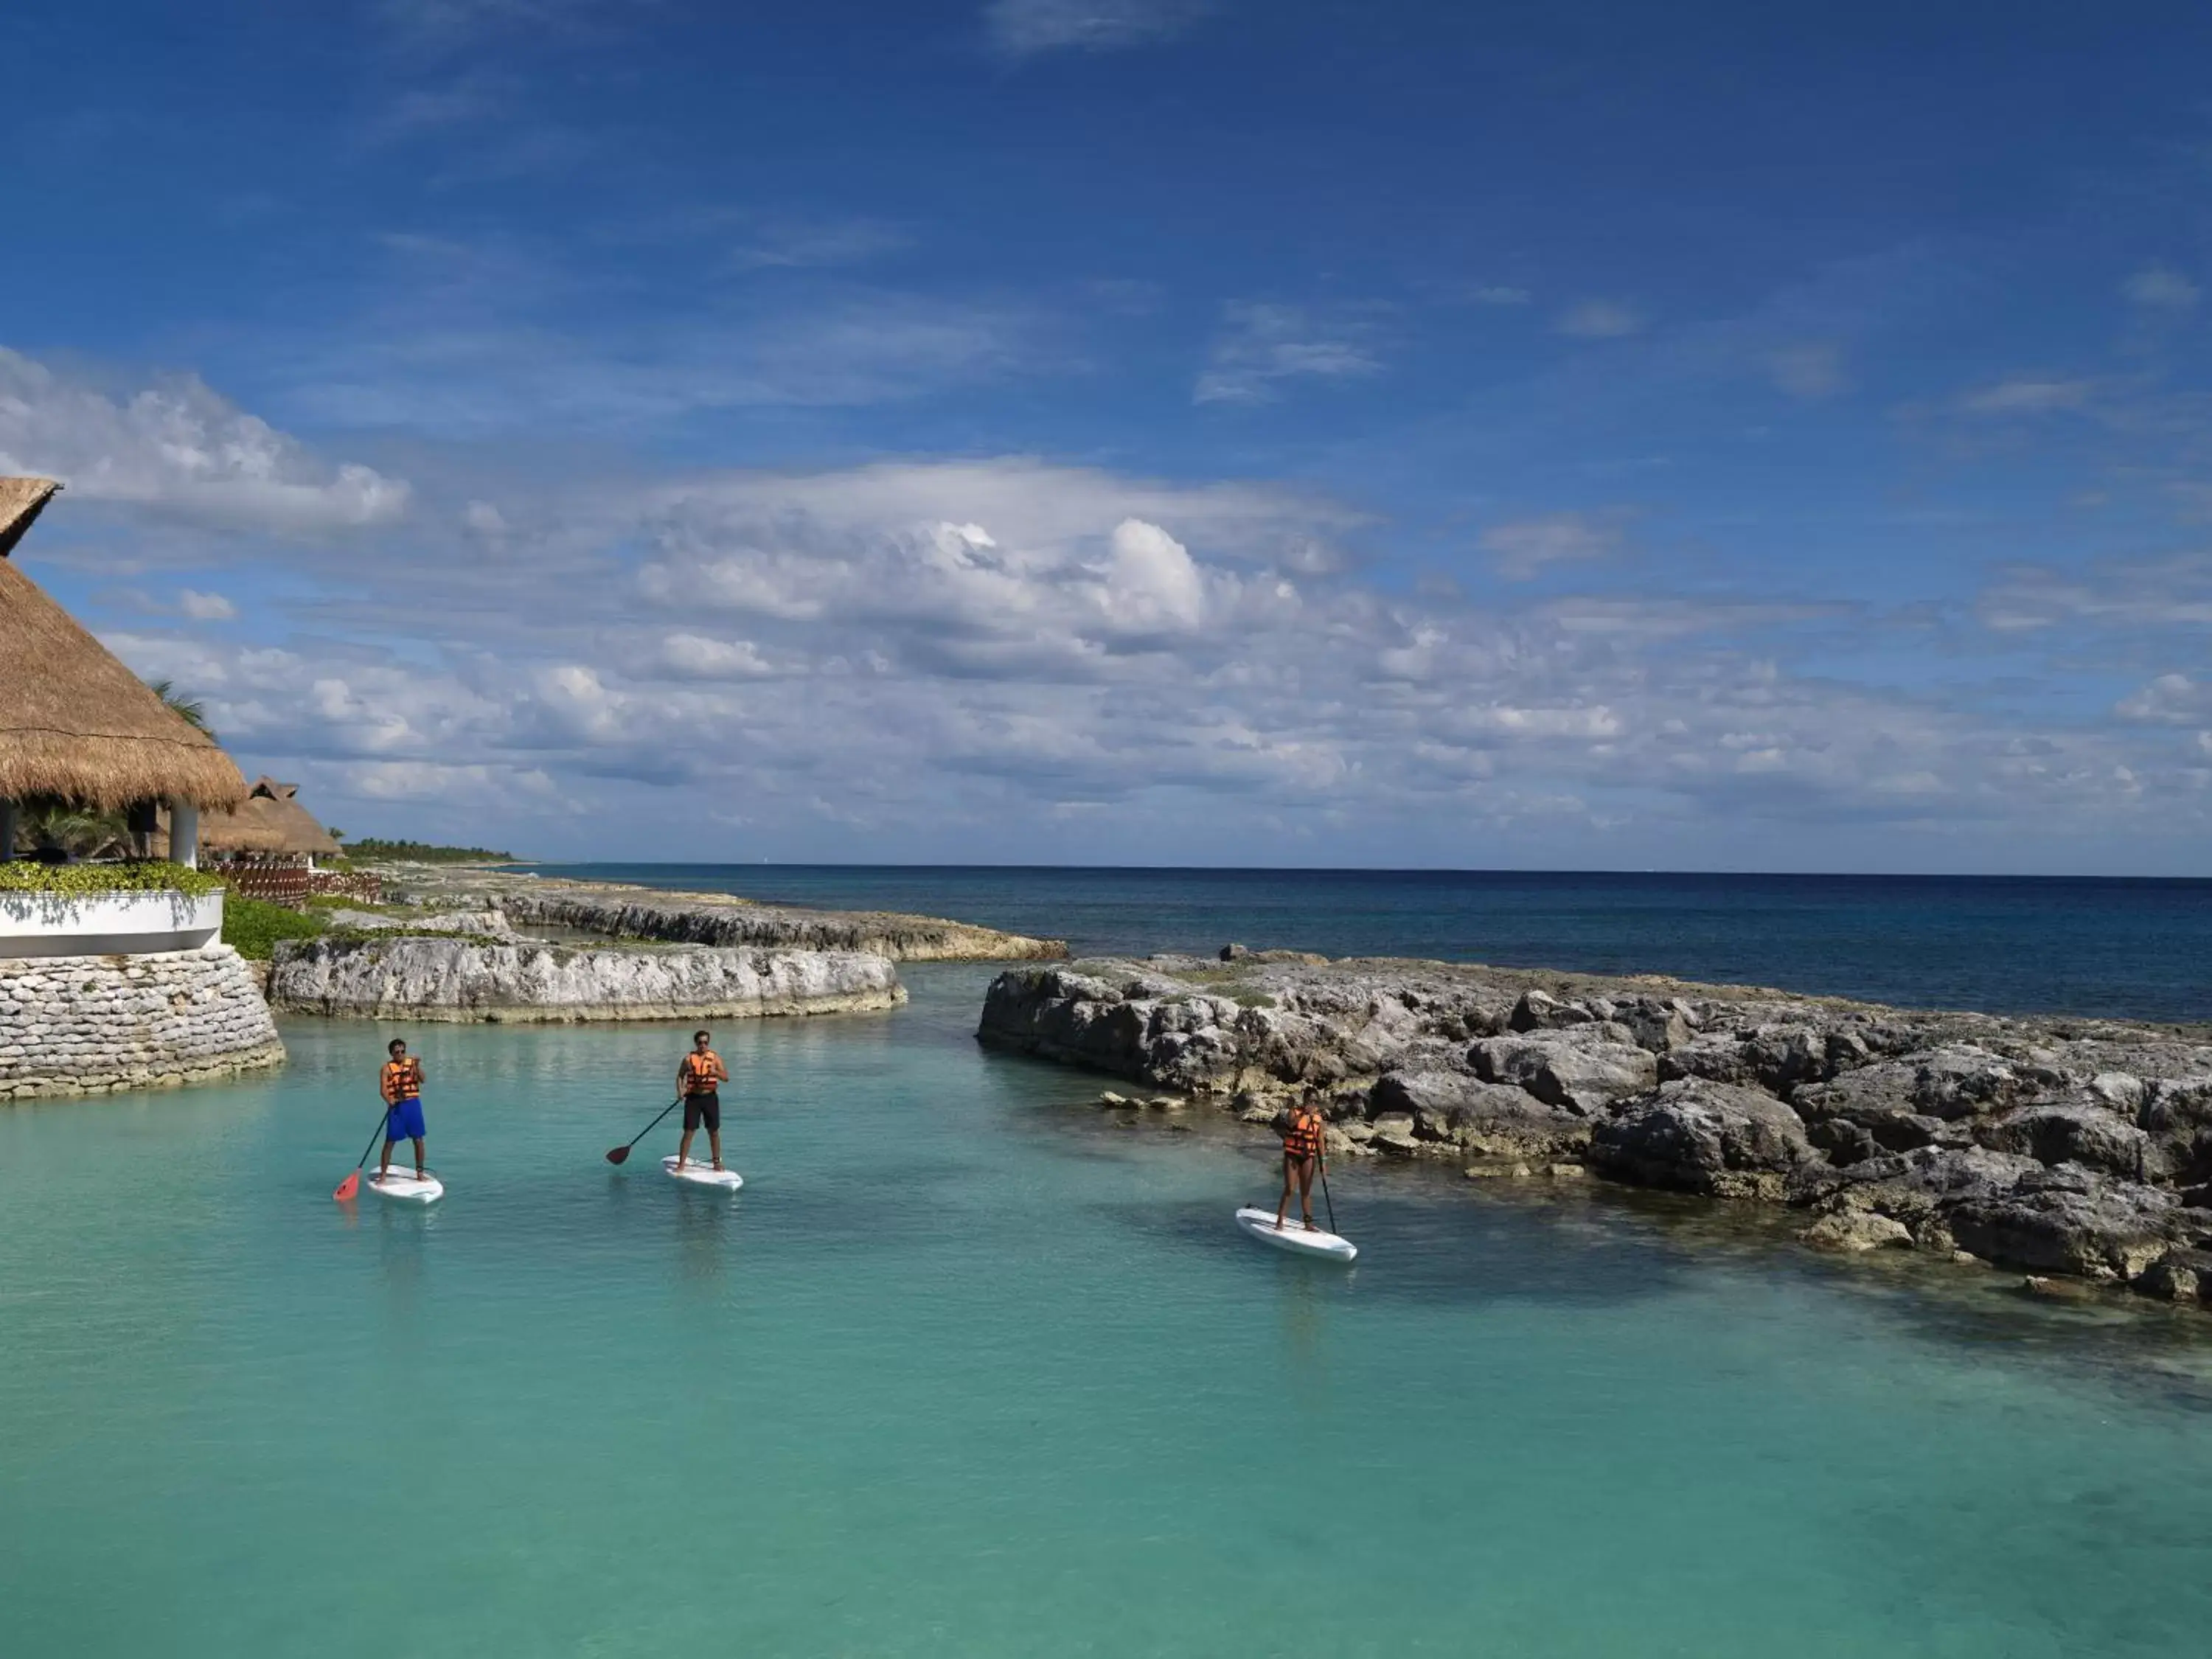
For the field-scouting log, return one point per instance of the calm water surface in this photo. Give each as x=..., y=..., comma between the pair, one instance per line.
x=2134, y=949
x=969, y=1369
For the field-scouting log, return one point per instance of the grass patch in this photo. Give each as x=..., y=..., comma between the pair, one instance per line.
x=253, y=927
x=84, y=880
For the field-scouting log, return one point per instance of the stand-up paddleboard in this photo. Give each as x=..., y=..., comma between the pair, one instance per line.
x=1294, y=1237
x=406, y=1187
x=702, y=1175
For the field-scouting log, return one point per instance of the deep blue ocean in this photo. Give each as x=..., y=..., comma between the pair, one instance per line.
x=2129, y=949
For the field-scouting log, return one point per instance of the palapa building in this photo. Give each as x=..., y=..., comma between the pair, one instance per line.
x=269, y=827
x=76, y=726
x=106, y=986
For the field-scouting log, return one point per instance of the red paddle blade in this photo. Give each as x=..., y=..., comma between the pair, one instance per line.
x=347, y=1188
x=619, y=1155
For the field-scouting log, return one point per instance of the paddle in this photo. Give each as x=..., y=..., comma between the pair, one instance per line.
x=1321, y=1167
x=351, y=1184
x=621, y=1154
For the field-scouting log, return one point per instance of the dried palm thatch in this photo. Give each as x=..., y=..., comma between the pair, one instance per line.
x=272, y=821
x=76, y=725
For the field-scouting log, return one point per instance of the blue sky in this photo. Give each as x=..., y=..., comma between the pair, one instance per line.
x=1160, y=431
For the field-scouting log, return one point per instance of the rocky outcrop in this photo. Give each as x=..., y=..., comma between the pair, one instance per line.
x=618, y=911
x=2057, y=1146
x=463, y=978
x=84, y=1025
x=1719, y=1139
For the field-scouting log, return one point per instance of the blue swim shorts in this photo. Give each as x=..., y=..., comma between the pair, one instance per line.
x=404, y=1121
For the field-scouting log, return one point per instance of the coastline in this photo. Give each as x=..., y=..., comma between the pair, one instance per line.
x=2072, y=1150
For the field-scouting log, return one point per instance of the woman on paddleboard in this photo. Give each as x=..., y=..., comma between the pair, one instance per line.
x=1302, y=1145
x=699, y=1079
x=402, y=1084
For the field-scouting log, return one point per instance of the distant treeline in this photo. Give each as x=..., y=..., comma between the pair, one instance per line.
x=421, y=851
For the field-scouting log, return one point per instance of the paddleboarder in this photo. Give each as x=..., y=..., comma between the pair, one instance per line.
x=402, y=1084
x=1301, y=1143
x=699, y=1079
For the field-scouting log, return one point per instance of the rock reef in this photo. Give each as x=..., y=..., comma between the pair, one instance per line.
x=2079, y=1147
x=461, y=978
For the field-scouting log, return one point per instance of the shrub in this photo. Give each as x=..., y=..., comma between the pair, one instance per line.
x=253, y=927
x=82, y=880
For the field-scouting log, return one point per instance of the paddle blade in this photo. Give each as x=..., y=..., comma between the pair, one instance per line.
x=621, y=1154
x=347, y=1188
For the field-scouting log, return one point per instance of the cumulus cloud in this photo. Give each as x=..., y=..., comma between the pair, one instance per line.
x=694, y=656
x=1021, y=28
x=176, y=448
x=1260, y=346
x=1601, y=319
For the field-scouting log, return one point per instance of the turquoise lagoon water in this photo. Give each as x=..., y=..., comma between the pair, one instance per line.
x=968, y=1369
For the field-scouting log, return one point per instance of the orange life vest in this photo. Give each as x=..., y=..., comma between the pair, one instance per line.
x=1304, y=1140
x=699, y=1071
x=402, y=1080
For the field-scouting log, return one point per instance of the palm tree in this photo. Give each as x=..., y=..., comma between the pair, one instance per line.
x=190, y=710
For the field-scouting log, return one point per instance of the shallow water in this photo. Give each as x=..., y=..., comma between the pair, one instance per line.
x=968, y=1369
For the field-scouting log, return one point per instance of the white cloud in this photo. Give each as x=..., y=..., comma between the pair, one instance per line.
x=1261, y=345
x=2161, y=288
x=696, y=657
x=2028, y=395
x=1020, y=28
x=2169, y=700
x=205, y=607
x=1498, y=295
x=179, y=450
x=1807, y=370
x=1527, y=547
x=803, y=244
x=1601, y=319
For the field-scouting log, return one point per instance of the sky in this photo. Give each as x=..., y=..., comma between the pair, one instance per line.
x=1713, y=436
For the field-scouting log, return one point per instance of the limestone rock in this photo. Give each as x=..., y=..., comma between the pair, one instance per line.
x=451, y=979
x=1557, y=1069
x=1854, y=1230
x=1719, y=1139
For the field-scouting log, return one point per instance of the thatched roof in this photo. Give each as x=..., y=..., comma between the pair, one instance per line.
x=75, y=723
x=271, y=820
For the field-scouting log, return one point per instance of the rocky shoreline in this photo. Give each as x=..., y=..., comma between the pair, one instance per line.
x=2079, y=1148
x=616, y=910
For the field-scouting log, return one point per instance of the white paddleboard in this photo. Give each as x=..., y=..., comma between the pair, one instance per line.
x=1294, y=1237
x=702, y=1174
x=402, y=1186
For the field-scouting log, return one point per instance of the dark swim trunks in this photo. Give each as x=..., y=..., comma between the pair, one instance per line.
x=403, y=1120
x=705, y=1108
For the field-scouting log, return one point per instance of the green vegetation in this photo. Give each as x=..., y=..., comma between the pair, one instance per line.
x=79, y=880
x=417, y=851
x=190, y=710
x=253, y=927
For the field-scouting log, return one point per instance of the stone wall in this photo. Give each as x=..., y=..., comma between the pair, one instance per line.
x=84, y=1025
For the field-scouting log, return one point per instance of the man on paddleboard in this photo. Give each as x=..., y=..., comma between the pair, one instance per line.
x=1301, y=1143
x=402, y=1083
x=698, y=1080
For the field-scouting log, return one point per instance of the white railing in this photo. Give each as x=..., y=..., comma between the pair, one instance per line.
x=106, y=924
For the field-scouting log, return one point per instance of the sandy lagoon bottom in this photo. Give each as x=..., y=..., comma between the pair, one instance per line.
x=968, y=1369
